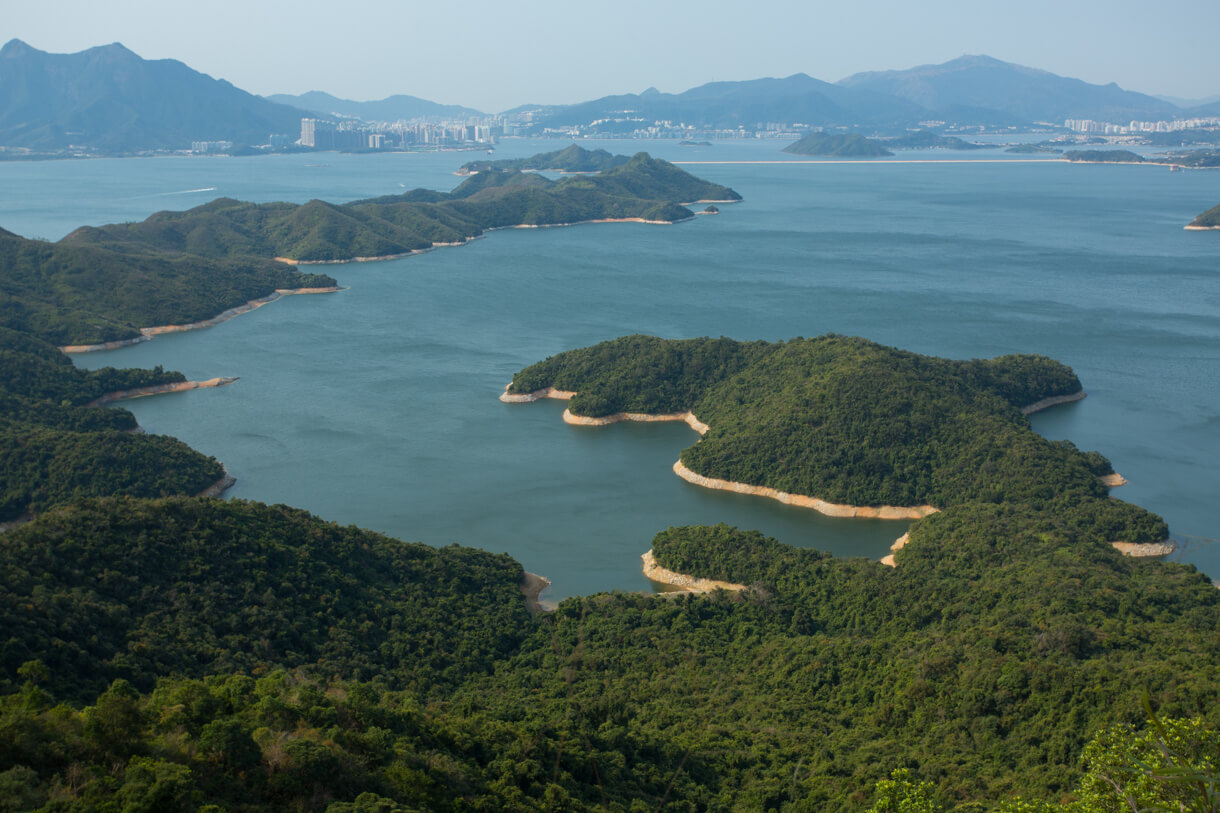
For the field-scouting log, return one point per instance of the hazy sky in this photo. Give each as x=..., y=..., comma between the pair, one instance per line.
x=497, y=55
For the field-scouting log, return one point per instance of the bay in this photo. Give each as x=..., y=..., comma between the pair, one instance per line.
x=377, y=406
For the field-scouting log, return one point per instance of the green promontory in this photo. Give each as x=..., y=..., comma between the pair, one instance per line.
x=852, y=422
x=844, y=145
x=1207, y=220
x=72, y=292
x=642, y=188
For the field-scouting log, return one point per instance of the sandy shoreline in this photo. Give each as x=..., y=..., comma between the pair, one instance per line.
x=798, y=500
x=802, y=501
x=690, y=584
x=157, y=389
x=1113, y=480
x=1201, y=228
x=1054, y=400
x=532, y=586
x=147, y=333
x=220, y=486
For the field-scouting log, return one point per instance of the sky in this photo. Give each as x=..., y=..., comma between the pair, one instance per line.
x=494, y=56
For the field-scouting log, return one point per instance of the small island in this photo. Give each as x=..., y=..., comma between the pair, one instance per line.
x=843, y=145
x=570, y=159
x=1206, y=221
x=1103, y=157
x=931, y=139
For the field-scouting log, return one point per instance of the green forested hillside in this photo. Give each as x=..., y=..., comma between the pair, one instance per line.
x=71, y=292
x=641, y=187
x=54, y=449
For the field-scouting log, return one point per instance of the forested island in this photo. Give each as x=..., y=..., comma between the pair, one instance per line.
x=569, y=159
x=1103, y=157
x=838, y=145
x=176, y=653
x=1207, y=220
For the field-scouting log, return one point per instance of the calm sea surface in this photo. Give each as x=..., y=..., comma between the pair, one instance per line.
x=377, y=406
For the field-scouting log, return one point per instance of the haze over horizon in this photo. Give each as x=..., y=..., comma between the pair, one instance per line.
x=495, y=57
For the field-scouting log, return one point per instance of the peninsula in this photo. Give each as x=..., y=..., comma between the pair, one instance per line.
x=570, y=159
x=1207, y=220
x=850, y=427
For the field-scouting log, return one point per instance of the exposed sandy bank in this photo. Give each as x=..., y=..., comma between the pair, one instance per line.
x=1145, y=549
x=1113, y=480
x=1201, y=228
x=147, y=333
x=898, y=545
x=604, y=420
x=801, y=501
x=690, y=584
x=1054, y=400
x=140, y=392
x=220, y=486
x=532, y=586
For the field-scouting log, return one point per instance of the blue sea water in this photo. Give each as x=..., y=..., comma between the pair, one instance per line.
x=377, y=406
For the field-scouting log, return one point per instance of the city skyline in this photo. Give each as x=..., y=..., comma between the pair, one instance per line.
x=495, y=57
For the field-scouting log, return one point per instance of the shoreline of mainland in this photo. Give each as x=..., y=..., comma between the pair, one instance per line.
x=146, y=333
x=532, y=586
x=687, y=584
x=159, y=389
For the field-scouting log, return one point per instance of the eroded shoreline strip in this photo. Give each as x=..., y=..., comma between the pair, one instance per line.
x=532, y=586
x=147, y=333
x=158, y=389
x=1054, y=400
x=690, y=584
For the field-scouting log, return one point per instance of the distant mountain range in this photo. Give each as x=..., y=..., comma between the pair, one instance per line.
x=967, y=90
x=109, y=100
x=391, y=108
x=978, y=88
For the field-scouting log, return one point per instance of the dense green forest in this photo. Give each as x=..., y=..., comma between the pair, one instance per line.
x=642, y=187
x=839, y=145
x=162, y=652
x=1209, y=219
x=931, y=139
x=569, y=159
x=54, y=448
x=853, y=422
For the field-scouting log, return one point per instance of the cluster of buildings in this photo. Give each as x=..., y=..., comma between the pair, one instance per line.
x=352, y=134
x=1137, y=127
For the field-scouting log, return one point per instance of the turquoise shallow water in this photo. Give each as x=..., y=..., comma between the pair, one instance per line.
x=377, y=406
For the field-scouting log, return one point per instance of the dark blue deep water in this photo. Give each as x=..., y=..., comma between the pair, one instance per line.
x=377, y=406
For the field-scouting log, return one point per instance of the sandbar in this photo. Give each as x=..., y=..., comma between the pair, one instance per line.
x=1201, y=228
x=689, y=584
